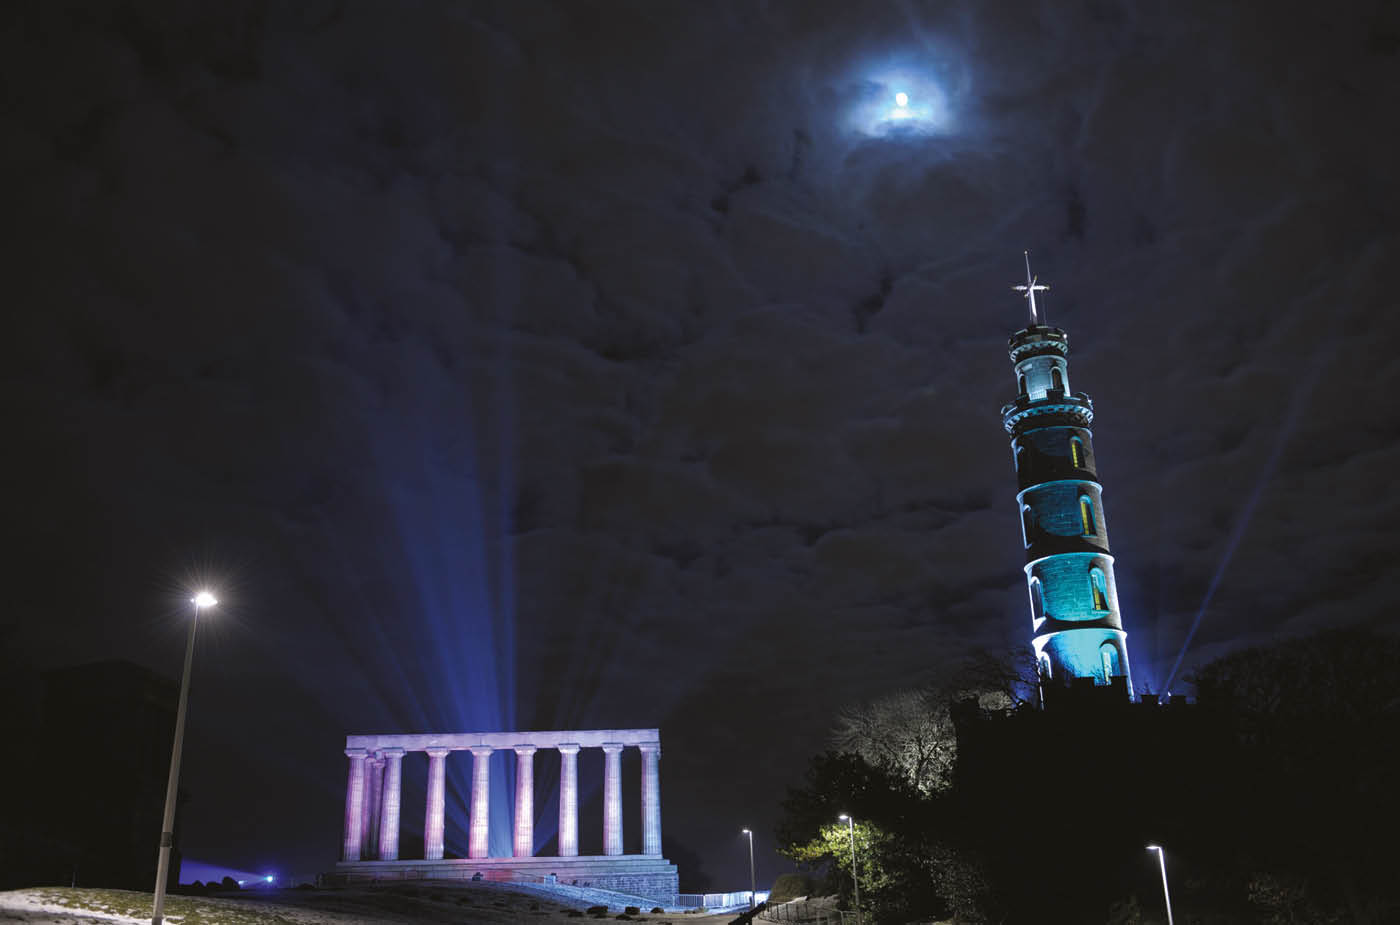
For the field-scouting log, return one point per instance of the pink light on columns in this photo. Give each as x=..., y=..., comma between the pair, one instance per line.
x=390, y=804
x=432, y=823
x=568, y=800
x=354, y=804
x=651, y=798
x=374, y=800
x=524, y=801
x=612, y=798
x=478, y=845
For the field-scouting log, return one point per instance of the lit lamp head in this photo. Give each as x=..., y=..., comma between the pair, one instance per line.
x=204, y=600
x=1154, y=847
x=844, y=818
x=746, y=832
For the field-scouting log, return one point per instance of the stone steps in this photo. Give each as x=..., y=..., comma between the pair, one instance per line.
x=652, y=881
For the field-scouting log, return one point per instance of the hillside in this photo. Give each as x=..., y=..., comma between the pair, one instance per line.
x=465, y=902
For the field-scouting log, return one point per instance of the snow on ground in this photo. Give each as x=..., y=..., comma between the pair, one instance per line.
x=469, y=902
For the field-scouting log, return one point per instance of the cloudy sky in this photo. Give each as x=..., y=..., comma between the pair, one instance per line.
x=539, y=365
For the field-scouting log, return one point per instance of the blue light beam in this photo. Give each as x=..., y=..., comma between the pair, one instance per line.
x=1301, y=394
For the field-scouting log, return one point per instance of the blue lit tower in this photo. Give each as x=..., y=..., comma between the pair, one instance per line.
x=1074, y=601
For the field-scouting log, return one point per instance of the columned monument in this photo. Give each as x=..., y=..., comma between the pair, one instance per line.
x=373, y=802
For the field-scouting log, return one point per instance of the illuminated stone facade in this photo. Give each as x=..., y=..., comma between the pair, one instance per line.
x=1077, y=626
x=373, y=799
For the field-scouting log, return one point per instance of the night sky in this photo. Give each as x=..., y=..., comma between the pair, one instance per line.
x=561, y=365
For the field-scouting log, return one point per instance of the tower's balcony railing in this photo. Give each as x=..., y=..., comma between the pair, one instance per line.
x=1075, y=405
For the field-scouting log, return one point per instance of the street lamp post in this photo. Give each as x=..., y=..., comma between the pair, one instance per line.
x=753, y=889
x=855, y=880
x=1167, y=896
x=167, y=826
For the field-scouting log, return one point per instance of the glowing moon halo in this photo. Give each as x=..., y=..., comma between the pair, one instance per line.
x=897, y=100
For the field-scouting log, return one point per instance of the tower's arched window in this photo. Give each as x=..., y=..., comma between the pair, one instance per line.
x=1076, y=452
x=1037, y=603
x=1044, y=661
x=1108, y=654
x=1021, y=383
x=1027, y=523
x=1099, y=588
x=1086, y=516
x=1057, y=379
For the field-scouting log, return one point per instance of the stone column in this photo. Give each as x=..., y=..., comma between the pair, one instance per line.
x=651, y=798
x=390, y=804
x=568, y=800
x=374, y=803
x=366, y=799
x=612, y=798
x=354, y=804
x=479, y=845
x=432, y=823
x=524, y=801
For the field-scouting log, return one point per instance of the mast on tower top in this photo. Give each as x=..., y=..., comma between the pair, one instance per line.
x=1030, y=288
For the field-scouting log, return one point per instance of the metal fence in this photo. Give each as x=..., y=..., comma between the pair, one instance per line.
x=807, y=912
x=719, y=900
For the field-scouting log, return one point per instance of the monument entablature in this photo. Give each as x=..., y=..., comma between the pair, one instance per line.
x=465, y=741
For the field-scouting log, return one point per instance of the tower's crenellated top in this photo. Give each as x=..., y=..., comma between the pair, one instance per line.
x=1037, y=339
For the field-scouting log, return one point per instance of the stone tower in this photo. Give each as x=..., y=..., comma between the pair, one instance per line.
x=1076, y=625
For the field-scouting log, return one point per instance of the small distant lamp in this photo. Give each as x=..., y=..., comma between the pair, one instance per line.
x=855, y=880
x=753, y=889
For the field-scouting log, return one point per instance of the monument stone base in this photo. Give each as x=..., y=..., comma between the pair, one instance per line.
x=654, y=878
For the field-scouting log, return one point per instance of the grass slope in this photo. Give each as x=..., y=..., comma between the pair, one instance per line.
x=490, y=903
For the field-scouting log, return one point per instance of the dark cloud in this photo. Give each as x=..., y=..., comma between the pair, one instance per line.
x=596, y=343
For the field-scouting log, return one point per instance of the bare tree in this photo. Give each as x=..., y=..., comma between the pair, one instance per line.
x=911, y=731
x=1004, y=679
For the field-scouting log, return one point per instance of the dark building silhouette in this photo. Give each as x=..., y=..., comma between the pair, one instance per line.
x=1098, y=777
x=94, y=779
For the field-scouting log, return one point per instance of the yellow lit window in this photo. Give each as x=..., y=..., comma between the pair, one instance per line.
x=1096, y=584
